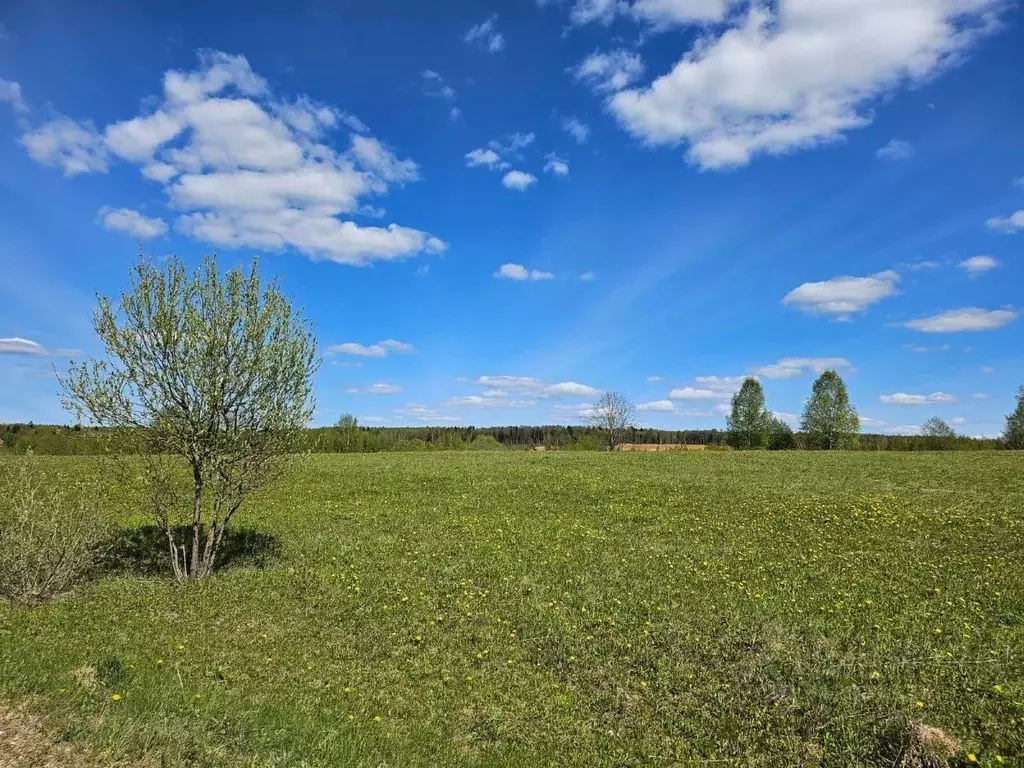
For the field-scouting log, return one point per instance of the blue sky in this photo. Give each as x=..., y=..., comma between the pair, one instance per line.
x=492, y=211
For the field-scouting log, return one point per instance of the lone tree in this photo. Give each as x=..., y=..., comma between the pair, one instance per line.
x=829, y=420
x=938, y=433
x=613, y=414
x=348, y=431
x=749, y=422
x=207, y=373
x=1013, y=435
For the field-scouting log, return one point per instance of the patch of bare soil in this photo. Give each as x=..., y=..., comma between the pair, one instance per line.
x=25, y=744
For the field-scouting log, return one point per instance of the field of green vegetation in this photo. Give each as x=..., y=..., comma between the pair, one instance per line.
x=558, y=609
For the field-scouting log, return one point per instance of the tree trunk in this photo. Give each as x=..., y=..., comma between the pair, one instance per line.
x=197, y=511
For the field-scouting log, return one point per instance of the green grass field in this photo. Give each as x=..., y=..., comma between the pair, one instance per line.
x=569, y=609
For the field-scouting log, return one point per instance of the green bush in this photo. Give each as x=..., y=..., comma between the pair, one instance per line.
x=51, y=534
x=485, y=443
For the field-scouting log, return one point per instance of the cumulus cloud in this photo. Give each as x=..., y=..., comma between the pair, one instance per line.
x=486, y=35
x=895, y=150
x=425, y=414
x=132, y=222
x=519, y=272
x=74, y=147
x=790, y=367
x=923, y=349
x=247, y=168
x=774, y=78
x=844, y=295
x=519, y=180
x=578, y=130
x=978, y=264
x=980, y=396
x=588, y=276
x=1008, y=224
x=610, y=71
x=902, y=398
x=486, y=158
x=665, y=406
x=556, y=165
x=967, y=319
x=380, y=349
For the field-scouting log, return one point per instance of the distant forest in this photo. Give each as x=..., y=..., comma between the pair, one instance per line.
x=79, y=440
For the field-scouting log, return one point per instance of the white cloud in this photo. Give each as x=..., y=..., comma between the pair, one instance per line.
x=500, y=386
x=425, y=414
x=896, y=149
x=15, y=345
x=1008, y=224
x=486, y=35
x=434, y=85
x=588, y=276
x=486, y=158
x=902, y=398
x=922, y=349
x=489, y=401
x=519, y=272
x=512, y=143
x=789, y=367
x=655, y=379
x=132, y=222
x=578, y=130
x=978, y=264
x=658, y=14
x=1019, y=182
x=958, y=420
x=968, y=319
x=248, y=169
x=11, y=93
x=794, y=74
x=611, y=71
x=918, y=266
x=665, y=406
x=63, y=143
x=569, y=389
x=519, y=180
x=980, y=396
x=699, y=393
x=380, y=349
x=454, y=113
x=375, y=389
x=555, y=165
x=842, y=295
x=987, y=369
x=728, y=384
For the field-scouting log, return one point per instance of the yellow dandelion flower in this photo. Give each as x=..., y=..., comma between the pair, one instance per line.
x=919, y=704
x=972, y=758
x=116, y=697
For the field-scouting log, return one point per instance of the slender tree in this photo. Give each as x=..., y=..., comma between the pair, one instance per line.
x=938, y=433
x=1013, y=435
x=749, y=422
x=348, y=430
x=829, y=420
x=613, y=414
x=210, y=377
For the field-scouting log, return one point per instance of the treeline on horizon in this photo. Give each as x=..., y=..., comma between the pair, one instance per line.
x=80, y=440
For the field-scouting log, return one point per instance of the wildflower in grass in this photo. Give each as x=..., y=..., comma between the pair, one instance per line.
x=376, y=719
x=997, y=688
x=115, y=697
x=159, y=662
x=919, y=704
x=972, y=758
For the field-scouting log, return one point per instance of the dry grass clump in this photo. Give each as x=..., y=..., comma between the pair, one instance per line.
x=926, y=746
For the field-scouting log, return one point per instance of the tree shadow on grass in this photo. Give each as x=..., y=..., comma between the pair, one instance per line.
x=143, y=551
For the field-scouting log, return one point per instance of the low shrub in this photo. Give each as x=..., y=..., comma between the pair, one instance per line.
x=51, y=534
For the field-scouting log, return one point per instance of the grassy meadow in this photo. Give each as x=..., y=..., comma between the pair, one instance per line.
x=559, y=609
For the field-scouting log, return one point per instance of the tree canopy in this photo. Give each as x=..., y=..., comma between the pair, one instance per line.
x=829, y=420
x=749, y=423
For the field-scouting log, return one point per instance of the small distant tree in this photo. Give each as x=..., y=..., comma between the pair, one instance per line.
x=938, y=433
x=780, y=435
x=829, y=420
x=613, y=414
x=749, y=422
x=1013, y=435
x=348, y=430
x=210, y=377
